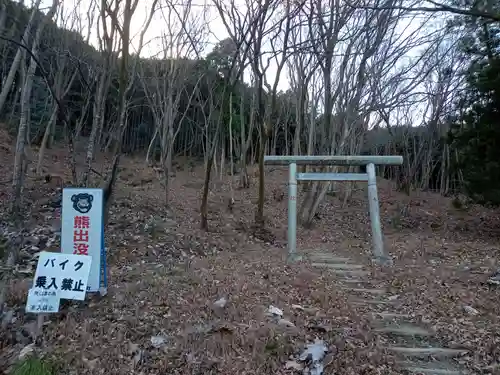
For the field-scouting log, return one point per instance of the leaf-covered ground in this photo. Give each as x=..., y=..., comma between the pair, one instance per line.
x=165, y=276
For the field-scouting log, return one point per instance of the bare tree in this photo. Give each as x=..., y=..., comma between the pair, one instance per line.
x=19, y=160
x=9, y=80
x=422, y=144
x=481, y=9
x=260, y=27
x=20, y=156
x=301, y=69
x=108, y=39
x=241, y=28
x=65, y=70
x=125, y=77
x=165, y=85
x=279, y=40
x=359, y=48
x=259, y=13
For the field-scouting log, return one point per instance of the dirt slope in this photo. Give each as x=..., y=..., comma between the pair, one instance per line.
x=166, y=274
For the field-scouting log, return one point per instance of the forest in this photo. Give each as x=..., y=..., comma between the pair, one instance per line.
x=363, y=77
x=170, y=107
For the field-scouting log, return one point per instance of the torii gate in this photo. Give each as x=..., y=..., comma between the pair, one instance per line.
x=369, y=177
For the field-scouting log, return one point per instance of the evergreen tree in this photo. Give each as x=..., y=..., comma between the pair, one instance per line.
x=475, y=134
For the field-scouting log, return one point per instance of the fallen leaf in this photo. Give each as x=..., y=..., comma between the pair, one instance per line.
x=275, y=311
x=27, y=351
x=285, y=322
x=294, y=365
x=471, y=310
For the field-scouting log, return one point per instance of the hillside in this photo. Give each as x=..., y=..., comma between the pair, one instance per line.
x=162, y=135
x=70, y=66
x=166, y=274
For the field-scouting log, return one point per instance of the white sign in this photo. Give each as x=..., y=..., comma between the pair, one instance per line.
x=42, y=301
x=82, y=230
x=65, y=274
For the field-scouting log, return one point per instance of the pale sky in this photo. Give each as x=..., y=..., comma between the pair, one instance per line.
x=205, y=12
x=203, y=16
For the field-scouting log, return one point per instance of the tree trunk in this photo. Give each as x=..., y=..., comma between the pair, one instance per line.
x=24, y=116
x=259, y=218
x=3, y=17
x=151, y=145
x=206, y=184
x=231, y=147
x=97, y=123
x=52, y=121
x=222, y=157
x=7, y=85
x=244, y=180
x=45, y=140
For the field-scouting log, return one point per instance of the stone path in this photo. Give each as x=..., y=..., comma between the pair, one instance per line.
x=414, y=345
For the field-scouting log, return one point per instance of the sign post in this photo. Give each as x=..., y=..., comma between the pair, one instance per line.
x=82, y=232
x=58, y=276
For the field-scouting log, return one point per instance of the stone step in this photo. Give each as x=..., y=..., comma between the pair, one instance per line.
x=404, y=330
x=408, y=341
x=383, y=317
x=341, y=272
x=320, y=257
x=364, y=290
x=391, y=316
x=430, y=368
x=328, y=259
x=433, y=371
x=425, y=352
x=355, y=281
x=362, y=301
x=339, y=266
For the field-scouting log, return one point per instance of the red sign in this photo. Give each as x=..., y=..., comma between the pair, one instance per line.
x=81, y=235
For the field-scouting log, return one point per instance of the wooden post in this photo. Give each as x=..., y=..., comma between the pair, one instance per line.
x=378, y=243
x=292, y=212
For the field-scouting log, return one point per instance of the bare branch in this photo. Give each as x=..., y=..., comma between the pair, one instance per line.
x=437, y=8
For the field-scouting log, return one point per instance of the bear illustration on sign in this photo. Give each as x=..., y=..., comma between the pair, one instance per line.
x=82, y=202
